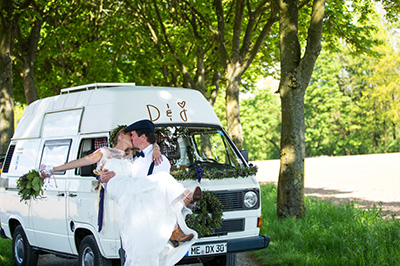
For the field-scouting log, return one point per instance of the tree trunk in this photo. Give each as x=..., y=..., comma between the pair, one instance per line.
x=245, y=46
x=6, y=78
x=290, y=201
x=214, y=92
x=232, y=106
x=27, y=57
x=29, y=83
x=295, y=76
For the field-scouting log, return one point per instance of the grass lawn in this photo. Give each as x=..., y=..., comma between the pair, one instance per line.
x=329, y=234
x=6, y=252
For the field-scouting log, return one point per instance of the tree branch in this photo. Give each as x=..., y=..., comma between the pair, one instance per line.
x=313, y=41
x=265, y=31
x=237, y=29
x=260, y=39
x=290, y=52
x=305, y=3
x=188, y=82
x=220, y=36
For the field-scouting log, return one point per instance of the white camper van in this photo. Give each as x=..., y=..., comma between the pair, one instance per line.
x=73, y=124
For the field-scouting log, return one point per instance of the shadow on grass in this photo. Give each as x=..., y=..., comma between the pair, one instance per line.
x=336, y=196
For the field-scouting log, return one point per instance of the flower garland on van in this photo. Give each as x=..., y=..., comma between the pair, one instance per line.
x=198, y=173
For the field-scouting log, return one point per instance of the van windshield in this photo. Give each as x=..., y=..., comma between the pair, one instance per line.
x=188, y=147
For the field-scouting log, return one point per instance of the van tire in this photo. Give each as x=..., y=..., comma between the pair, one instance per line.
x=89, y=253
x=229, y=259
x=23, y=253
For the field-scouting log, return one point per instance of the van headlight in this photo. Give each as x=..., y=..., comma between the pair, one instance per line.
x=250, y=199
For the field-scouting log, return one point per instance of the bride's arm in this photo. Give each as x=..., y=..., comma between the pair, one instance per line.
x=87, y=160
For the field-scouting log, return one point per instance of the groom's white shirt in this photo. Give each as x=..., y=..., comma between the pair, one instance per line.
x=141, y=165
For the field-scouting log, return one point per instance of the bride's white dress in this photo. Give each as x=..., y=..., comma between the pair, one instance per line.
x=150, y=207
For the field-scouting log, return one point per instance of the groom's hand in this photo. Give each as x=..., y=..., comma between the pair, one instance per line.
x=106, y=175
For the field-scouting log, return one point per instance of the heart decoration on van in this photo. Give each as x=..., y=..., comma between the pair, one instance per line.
x=181, y=104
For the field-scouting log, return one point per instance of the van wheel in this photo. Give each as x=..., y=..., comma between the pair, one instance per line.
x=229, y=259
x=89, y=253
x=22, y=252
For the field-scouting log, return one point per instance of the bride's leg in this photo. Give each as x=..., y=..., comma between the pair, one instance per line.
x=179, y=236
x=192, y=197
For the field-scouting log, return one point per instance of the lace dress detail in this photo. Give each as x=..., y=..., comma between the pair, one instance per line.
x=149, y=208
x=112, y=153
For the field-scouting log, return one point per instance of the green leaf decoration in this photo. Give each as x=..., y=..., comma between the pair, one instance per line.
x=216, y=173
x=207, y=215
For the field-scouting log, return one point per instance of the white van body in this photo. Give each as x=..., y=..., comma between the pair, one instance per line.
x=62, y=128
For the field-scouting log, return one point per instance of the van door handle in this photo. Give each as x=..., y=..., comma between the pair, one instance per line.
x=72, y=195
x=61, y=194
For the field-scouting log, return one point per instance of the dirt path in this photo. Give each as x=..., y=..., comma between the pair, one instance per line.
x=367, y=179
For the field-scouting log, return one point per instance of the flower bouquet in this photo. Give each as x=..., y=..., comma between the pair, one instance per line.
x=30, y=185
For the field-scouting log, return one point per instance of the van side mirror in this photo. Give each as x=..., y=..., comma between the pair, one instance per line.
x=245, y=154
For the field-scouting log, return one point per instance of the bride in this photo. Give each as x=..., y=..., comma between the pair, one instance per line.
x=151, y=208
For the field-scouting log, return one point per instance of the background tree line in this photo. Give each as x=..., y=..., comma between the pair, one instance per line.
x=352, y=105
x=217, y=47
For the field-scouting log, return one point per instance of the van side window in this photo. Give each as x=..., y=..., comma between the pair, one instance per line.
x=55, y=152
x=7, y=160
x=87, y=147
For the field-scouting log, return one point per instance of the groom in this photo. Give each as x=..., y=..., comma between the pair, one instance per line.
x=143, y=137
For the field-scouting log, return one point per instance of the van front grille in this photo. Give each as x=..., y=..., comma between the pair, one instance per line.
x=233, y=200
x=229, y=226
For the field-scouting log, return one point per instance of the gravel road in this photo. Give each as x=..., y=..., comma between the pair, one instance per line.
x=367, y=179
x=50, y=260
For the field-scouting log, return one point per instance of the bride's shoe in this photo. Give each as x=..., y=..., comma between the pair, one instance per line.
x=179, y=236
x=192, y=197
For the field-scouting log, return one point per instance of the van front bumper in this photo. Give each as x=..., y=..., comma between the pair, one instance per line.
x=248, y=244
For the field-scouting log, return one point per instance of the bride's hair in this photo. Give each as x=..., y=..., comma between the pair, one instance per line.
x=113, y=139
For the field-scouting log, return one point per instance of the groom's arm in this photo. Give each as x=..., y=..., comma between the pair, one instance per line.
x=164, y=166
x=106, y=175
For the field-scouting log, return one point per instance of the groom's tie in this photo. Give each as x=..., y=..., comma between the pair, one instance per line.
x=139, y=153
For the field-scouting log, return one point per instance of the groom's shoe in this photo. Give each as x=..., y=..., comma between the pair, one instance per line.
x=179, y=236
x=193, y=197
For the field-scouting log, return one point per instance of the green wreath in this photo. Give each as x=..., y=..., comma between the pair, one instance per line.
x=30, y=185
x=207, y=215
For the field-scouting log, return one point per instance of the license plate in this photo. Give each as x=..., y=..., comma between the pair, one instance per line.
x=199, y=250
